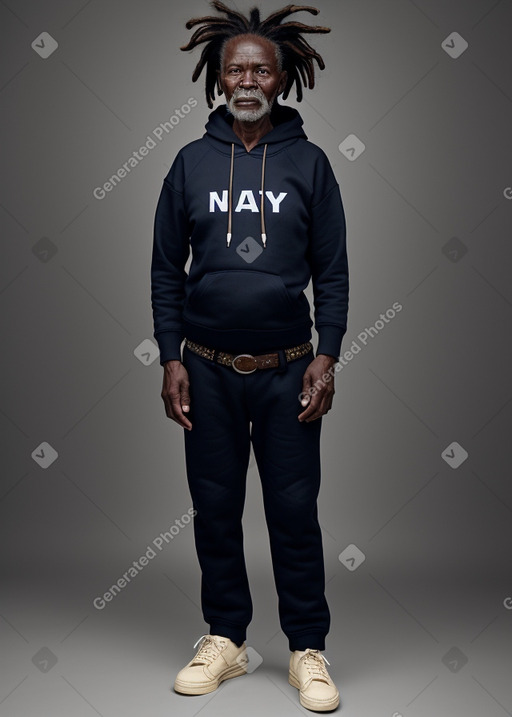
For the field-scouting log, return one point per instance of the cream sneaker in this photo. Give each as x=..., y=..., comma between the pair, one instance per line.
x=217, y=659
x=309, y=675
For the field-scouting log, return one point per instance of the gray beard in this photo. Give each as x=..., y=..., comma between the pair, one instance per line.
x=250, y=115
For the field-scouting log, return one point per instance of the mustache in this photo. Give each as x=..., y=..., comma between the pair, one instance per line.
x=248, y=94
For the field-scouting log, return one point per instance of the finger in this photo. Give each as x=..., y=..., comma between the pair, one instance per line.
x=180, y=417
x=185, y=398
x=311, y=410
x=185, y=422
x=304, y=398
x=177, y=412
x=319, y=406
x=305, y=395
x=182, y=420
x=313, y=416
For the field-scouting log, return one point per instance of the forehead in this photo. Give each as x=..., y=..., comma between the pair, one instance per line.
x=250, y=49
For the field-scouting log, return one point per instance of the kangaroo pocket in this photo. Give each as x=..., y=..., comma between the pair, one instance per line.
x=244, y=299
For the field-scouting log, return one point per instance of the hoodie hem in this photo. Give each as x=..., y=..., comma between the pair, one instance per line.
x=247, y=341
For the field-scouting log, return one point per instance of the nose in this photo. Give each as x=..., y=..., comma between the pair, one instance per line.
x=247, y=79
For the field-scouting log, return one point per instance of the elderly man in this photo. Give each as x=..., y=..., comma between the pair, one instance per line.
x=259, y=208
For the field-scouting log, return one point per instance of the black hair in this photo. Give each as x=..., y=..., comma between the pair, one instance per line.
x=293, y=52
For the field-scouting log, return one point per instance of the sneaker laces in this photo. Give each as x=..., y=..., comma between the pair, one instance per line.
x=315, y=664
x=208, y=650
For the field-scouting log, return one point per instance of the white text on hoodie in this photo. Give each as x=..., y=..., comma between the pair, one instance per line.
x=246, y=200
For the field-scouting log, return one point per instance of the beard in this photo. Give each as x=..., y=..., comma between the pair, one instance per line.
x=245, y=115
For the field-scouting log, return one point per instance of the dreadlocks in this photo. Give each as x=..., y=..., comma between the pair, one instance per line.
x=293, y=52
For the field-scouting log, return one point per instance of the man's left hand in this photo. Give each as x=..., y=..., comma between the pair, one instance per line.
x=319, y=400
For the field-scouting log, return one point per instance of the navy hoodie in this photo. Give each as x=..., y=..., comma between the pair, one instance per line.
x=259, y=224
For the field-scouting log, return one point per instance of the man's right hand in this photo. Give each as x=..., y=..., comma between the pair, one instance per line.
x=175, y=392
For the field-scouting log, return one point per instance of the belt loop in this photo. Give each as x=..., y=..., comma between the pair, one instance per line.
x=283, y=363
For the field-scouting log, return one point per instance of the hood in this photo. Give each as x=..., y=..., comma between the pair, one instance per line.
x=286, y=130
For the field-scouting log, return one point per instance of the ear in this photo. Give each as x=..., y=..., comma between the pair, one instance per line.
x=282, y=82
x=220, y=89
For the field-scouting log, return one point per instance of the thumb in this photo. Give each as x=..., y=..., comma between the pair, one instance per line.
x=185, y=399
x=305, y=395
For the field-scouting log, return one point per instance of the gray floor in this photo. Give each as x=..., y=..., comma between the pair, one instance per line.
x=406, y=639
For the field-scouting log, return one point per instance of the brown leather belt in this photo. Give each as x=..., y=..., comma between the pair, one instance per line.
x=247, y=363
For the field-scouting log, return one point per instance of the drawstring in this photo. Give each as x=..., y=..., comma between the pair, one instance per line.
x=262, y=212
x=230, y=209
x=230, y=197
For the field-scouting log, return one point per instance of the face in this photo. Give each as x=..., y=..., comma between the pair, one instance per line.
x=250, y=77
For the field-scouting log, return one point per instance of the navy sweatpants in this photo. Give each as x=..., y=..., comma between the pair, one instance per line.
x=227, y=411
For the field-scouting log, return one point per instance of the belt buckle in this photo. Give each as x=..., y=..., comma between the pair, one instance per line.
x=233, y=364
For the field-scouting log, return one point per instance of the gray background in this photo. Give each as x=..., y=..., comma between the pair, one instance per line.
x=429, y=225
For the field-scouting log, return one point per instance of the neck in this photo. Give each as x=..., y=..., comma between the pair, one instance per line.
x=251, y=132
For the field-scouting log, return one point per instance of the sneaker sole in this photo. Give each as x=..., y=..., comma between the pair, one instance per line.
x=307, y=702
x=193, y=688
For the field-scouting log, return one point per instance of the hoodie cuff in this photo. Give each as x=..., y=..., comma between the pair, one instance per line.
x=329, y=340
x=169, y=343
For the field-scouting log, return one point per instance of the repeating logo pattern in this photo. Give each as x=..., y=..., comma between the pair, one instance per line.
x=416, y=502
